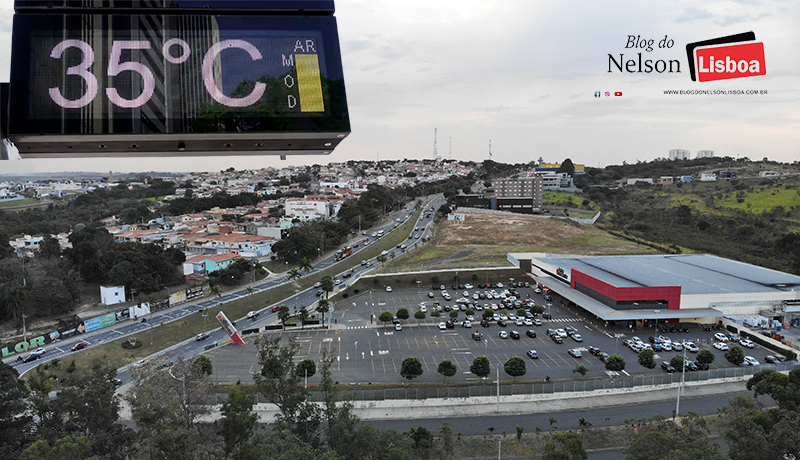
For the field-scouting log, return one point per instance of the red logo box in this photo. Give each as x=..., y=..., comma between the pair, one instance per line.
x=727, y=62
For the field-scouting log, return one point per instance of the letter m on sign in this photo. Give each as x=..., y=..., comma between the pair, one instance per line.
x=287, y=62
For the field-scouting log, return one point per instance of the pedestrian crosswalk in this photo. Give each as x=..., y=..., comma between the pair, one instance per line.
x=564, y=320
x=356, y=327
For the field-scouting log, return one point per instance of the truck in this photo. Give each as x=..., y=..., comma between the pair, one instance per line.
x=343, y=253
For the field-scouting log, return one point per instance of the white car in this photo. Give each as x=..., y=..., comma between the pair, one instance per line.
x=442, y=326
x=562, y=333
x=577, y=337
x=750, y=361
x=721, y=346
x=423, y=308
x=467, y=286
x=388, y=289
x=747, y=343
x=252, y=315
x=528, y=322
x=690, y=346
x=721, y=337
x=467, y=324
x=503, y=335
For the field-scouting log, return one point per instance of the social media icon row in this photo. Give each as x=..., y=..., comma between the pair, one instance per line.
x=607, y=93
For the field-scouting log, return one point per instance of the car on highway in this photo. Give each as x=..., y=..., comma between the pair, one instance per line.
x=202, y=336
x=574, y=352
x=721, y=346
x=442, y=326
x=532, y=354
x=721, y=337
x=276, y=308
x=503, y=335
x=79, y=346
x=667, y=367
x=252, y=315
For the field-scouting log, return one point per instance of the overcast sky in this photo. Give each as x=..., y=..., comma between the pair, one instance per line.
x=523, y=73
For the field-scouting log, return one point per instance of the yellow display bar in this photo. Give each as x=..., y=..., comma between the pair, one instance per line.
x=309, y=83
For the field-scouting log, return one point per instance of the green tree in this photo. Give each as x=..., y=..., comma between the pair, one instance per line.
x=15, y=423
x=250, y=291
x=677, y=362
x=667, y=440
x=323, y=306
x=515, y=367
x=203, y=365
x=306, y=368
x=279, y=383
x=402, y=314
x=423, y=439
x=419, y=315
x=66, y=448
x=564, y=446
x=537, y=309
x=305, y=264
x=294, y=274
x=735, y=355
x=487, y=315
x=385, y=317
x=581, y=369
x=647, y=358
x=783, y=389
x=567, y=167
x=327, y=285
x=454, y=313
x=480, y=367
x=215, y=291
x=12, y=296
x=382, y=259
x=446, y=368
x=705, y=356
x=303, y=316
x=411, y=368
x=238, y=421
x=284, y=314
x=520, y=430
x=615, y=363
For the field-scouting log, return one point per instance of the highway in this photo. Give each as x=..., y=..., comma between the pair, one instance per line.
x=61, y=348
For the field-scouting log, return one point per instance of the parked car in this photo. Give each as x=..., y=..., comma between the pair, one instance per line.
x=594, y=351
x=690, y=366
x=388, y=289
x=577, y=337
x=721, y=337
x=514, y=335
x=537, y=322
x=485, y=323
x=398, y=327
x=442, y=326
x=557, y=338
x=574, y=352
x=467, y=324
x=667, y=367
x=603, y=356
x=774, y=359
x=690, y=346
x=532, y=354
x=503, y=335
x=531, y=333
x=430, y=295
x=747, y=343
x=79, y=346
x=502, y=323
x=750, y=361
x=721, y=346
x=477, y=336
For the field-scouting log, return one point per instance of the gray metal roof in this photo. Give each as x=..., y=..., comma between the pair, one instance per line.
x=695, y=273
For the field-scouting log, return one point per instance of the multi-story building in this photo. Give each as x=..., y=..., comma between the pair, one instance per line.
x=678, y=154
x=705, y=154
x=525, y=188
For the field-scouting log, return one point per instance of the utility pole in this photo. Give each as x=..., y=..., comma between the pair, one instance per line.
x=680, y=387
x=24, y=330
x=498, y=388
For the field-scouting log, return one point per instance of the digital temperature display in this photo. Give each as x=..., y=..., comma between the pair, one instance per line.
x=163, y=83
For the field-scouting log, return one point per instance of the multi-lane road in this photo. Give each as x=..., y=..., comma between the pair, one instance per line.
x=305, y=298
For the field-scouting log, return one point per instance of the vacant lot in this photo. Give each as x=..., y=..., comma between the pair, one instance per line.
x=484, y=240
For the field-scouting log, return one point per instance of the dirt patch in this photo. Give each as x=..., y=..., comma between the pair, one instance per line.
x=488, y=229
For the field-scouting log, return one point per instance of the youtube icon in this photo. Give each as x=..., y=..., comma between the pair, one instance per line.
x=617, y=93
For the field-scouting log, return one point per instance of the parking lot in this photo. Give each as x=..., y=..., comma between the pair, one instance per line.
x=366, y=350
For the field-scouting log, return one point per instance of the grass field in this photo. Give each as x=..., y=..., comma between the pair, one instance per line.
x=485, y=240
x=18, y=205
x=760, y=201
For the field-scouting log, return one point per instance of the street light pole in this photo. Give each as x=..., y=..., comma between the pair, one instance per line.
x=680, y=387
x=355, y=356
x=498, y=388
x=24, y=330
x=655, y=332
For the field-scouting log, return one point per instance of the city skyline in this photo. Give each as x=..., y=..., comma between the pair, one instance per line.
x=524, y=75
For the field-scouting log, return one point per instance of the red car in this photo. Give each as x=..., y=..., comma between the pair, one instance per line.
x=275, y=308
x=79, y=346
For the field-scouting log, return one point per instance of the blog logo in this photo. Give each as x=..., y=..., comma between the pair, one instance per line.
x=724, y=58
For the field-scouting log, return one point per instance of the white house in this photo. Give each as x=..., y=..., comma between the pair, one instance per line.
x=111, y=295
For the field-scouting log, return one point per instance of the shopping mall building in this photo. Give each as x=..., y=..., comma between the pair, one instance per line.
x=696, y=288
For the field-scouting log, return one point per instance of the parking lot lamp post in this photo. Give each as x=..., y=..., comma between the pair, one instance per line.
x=680, y=387
x=418, y=283
x=655, y=332
x=498, y=388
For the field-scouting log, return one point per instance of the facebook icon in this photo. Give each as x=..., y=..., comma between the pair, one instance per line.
x=597, y=94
